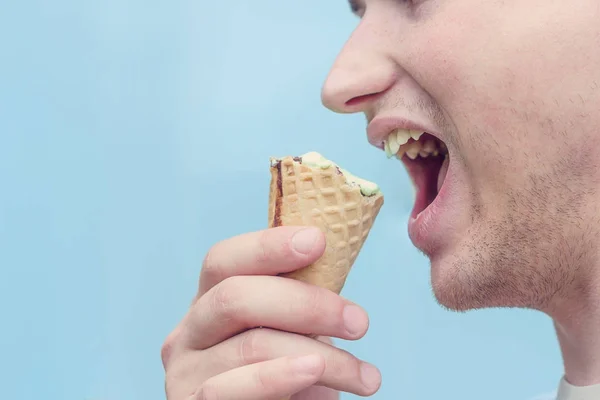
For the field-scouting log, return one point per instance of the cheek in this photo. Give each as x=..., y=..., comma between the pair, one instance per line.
x=454, y=77
x=452, y=56
x=513, y=77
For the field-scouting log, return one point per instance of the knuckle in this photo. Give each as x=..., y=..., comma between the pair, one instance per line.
x=225, y=300
x=342, y=363
x=166, y=350
x=314, y=311
x=212, y=267
x=273, y=245
x=263, y=252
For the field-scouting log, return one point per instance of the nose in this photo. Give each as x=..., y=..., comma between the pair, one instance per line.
x=361, y=74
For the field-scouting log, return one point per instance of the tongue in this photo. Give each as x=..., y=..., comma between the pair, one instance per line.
x=442, y=174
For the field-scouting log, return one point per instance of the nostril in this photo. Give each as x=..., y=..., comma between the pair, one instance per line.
x=357, y=101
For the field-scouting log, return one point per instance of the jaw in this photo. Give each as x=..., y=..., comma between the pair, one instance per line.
x=515, y=251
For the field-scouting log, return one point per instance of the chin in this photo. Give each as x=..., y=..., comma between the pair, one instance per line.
x=464, y=282
x=449, y=287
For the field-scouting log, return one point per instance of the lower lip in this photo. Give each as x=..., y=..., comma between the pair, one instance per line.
x=424, y=229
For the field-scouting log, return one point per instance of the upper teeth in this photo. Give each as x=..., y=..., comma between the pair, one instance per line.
x=398, y=138
x=416, y=134
x=396, y=144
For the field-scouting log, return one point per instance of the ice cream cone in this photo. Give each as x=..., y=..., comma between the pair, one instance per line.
x=323, y=196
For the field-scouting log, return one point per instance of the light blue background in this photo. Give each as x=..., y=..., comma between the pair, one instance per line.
x=119, y=120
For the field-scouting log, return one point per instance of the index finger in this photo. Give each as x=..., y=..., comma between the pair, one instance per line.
x=267, y=252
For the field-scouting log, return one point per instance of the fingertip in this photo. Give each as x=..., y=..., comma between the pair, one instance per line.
x=356, y=321
x=308, y=241
x=370, y=377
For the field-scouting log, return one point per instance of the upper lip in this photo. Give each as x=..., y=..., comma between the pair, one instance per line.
x=380, y=127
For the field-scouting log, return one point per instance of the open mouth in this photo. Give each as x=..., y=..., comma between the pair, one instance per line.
x=426, y=158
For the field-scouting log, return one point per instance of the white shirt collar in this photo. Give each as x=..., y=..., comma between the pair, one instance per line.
x=566, y=391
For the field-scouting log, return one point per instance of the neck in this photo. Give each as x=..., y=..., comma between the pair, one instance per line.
x=577, y=323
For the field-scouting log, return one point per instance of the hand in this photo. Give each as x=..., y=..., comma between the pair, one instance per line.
x=219, y=351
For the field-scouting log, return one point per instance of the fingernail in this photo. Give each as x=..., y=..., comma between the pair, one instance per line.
x=306, y=364
x=304, y=241
x=370, y=376
x=356, y=320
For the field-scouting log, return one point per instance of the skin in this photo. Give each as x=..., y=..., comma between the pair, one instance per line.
x=217, y=351
x=513, y=87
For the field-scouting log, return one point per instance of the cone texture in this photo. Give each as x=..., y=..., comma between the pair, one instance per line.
x=310, y=196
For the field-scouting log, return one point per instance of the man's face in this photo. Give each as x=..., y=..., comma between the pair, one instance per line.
x=512, y=88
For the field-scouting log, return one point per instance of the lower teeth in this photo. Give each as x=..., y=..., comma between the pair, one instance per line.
x=414, y=149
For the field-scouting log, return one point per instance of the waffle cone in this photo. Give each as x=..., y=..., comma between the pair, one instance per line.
x=302, y=195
